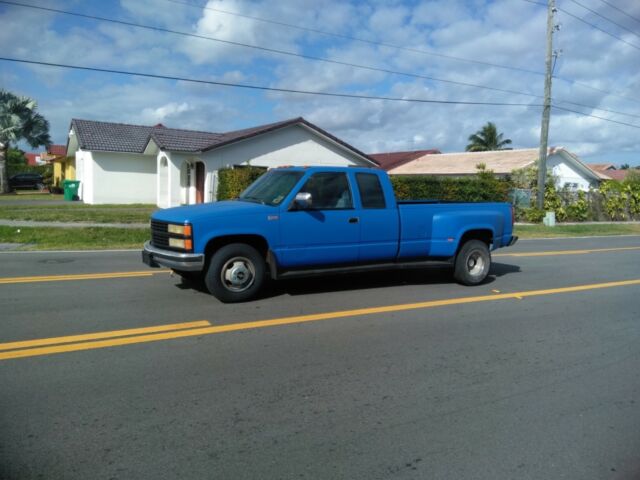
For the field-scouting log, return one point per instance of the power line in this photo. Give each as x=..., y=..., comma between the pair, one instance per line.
x=600, y=29
x=399, y=47
x=595, y=116
x=357, y=39
x=586, y=23
x=621, y=11
x=605, y=18
x=308, y=57
x=270, y=50
x=261, y=87
x=302, y=92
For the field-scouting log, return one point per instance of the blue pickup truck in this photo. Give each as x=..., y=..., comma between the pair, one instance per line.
x=311, y=221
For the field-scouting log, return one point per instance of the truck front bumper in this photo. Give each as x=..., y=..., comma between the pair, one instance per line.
x=156, y=257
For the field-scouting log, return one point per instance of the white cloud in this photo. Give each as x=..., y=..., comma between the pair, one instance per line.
x=509, y=33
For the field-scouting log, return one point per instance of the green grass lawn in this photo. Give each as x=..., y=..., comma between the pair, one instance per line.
x=78, y=212
x=540, y=231
x=39, y=238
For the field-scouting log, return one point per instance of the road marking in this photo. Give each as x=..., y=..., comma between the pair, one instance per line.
x=149, y=273
x=564, y=252
x=80, y=276
x=48, y=350
x=102, y=335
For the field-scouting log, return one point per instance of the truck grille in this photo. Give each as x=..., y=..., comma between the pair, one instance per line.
x=159, y=234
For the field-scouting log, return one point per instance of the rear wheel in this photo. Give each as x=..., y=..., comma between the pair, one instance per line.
x=472, y=263
x=236, y=273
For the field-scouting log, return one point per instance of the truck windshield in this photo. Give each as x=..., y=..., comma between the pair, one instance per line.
x=271, y=188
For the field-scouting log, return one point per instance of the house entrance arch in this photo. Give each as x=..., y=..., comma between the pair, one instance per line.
x=192, y=181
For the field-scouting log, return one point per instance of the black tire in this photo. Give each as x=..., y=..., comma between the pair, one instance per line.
x=236, y=273
x=472, y=263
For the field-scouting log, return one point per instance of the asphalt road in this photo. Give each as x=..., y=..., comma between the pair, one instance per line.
x=533, y=375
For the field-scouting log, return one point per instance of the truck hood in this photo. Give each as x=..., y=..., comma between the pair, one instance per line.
x=191, y=213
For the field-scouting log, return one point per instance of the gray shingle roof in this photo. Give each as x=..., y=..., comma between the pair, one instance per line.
x=120, y=137
x=110, y=137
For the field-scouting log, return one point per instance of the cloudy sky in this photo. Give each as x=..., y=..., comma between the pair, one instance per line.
x=596, y=74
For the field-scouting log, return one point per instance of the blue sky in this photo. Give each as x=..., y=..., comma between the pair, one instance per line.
x=594, y=69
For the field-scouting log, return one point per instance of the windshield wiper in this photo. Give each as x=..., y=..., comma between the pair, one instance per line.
x=252, y=200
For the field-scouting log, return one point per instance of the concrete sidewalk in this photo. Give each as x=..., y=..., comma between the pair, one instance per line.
x=30, y=223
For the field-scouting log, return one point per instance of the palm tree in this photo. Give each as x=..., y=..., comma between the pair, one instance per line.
x=487, y=139
x=19, y=121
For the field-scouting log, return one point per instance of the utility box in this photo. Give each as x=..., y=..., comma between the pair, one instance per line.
x=550, y=219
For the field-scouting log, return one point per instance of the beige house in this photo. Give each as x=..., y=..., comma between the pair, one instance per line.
x=565, y=166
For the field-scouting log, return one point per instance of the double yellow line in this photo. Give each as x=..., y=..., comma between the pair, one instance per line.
x=87, y=341
x=79, y=276
x=47, y=346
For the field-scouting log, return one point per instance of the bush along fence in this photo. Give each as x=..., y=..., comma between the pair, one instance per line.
x=232, y=181
x=613, y=201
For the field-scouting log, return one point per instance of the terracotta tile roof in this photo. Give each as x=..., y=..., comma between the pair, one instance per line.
x=616, y=174
x=601, y=167
x=390, y=160
x=31, y=158
x=120, y=137
x=501, y=162
x=57, y=150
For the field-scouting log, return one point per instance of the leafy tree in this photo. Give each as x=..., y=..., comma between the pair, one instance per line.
x=487, y=139
x=624, y=166
x=16, y=157
x=19, y=120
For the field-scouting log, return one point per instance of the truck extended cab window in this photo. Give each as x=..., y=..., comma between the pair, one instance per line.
x=370, y=190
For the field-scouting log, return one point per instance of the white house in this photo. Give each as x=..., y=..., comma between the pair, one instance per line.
x=119, y=163
x=566, y=167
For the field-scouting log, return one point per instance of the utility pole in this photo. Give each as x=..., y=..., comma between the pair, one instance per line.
x=546, y=111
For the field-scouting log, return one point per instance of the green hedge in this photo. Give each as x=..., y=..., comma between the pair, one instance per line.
x=232, y=181
x=479, y=188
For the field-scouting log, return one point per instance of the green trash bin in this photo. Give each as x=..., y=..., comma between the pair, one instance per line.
x=71, y=188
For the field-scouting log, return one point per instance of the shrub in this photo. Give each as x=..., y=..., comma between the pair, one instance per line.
x=533, y=215
x=579, y=209
x=233, y=181
x=484, y=186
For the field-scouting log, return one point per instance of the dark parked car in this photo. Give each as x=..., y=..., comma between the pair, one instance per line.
x=26, y=180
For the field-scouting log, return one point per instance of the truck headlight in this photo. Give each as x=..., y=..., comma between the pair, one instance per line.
x=184, y=230
x=183, y=243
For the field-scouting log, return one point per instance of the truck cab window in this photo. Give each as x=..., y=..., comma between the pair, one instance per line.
x=329, y=191
x=370, y=190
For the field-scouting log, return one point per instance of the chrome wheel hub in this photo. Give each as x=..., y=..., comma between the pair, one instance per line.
x=475, y=264
x=238, y=274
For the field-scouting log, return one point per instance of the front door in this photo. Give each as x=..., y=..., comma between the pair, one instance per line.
x=200, y=182
x=328, y=232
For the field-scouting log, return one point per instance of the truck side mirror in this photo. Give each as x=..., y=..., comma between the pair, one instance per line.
x=303, y=200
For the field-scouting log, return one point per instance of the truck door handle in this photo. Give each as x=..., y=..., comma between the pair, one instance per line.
x=354, y=220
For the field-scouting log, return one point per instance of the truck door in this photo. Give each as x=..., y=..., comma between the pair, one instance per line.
x=379, y=222
x=326, y=233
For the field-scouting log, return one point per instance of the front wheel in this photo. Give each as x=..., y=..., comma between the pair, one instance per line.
x=472, y=263
x=236, y=273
